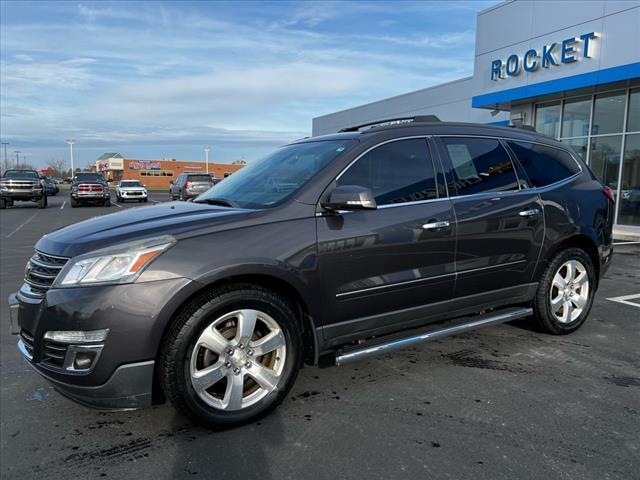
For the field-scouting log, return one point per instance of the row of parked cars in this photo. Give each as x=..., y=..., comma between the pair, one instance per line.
x=92, y=188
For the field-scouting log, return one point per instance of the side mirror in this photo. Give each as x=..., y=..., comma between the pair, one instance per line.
x=350, y=197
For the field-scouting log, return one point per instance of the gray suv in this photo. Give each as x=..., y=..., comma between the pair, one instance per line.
x=190, y=185
x=327, y=251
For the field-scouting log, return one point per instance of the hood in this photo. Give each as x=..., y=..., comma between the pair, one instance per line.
x=179, y=219
x=20, y=178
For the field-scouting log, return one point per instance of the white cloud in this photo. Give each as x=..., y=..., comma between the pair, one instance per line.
x=23, y=57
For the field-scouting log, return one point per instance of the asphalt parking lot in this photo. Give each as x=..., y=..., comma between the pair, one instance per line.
x=502, y=402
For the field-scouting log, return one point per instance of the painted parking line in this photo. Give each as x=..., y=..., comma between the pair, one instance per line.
x=626, y=243
x=625, y=299
x=154, y=201
x=63, y=204
x=119, y=206
x=22, y=225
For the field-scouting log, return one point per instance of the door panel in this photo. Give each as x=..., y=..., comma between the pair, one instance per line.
x=383, y=260
x=500, y=222
x=396, y=256
x=497, y=247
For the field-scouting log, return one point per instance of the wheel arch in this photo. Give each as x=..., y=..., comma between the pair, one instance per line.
x=268, y=281
x=578, y=240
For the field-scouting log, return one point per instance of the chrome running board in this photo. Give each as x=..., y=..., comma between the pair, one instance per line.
x=394, y=342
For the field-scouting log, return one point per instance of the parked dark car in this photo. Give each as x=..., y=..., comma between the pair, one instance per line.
x=51, y=186
x=22, y=185
x=88, y=187
x=190, y=185
x=385, y=236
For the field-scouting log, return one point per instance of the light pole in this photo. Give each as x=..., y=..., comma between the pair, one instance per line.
x=71, y=141
x=206, y=156
x=6, y=162
x=17, y=152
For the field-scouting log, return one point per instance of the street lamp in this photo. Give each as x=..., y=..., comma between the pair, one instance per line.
x=206, y=156
x=17, y=152
x=71, y=141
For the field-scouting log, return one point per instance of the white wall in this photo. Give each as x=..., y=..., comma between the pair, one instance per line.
x=450, y=101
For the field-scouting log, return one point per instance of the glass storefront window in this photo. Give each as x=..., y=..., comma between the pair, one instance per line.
x=579, y=145
x=608, y=113
x=629, y=213
x=548, y=119
x=605, y=159
x=575, y=118
x=633, y=124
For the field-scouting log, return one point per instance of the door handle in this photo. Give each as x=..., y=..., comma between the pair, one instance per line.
x=529, y=213
x=436, y=225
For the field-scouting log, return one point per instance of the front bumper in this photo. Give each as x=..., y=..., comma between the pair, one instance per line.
x=21, y=194
x=90, y=195
x=135, y=316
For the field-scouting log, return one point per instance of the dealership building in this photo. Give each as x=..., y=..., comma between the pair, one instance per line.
x=570, y=69
x=157, y=173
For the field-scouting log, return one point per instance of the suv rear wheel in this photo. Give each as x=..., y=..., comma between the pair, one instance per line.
x=565, y=292
x=231, y=356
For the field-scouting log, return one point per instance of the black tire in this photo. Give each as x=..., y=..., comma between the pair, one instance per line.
x=542, y=311
x=182, y=198
x=145, y=200
x=178, y=345
x=74, y=203
x=42, y=203
x=3, y=204
x=107, y=203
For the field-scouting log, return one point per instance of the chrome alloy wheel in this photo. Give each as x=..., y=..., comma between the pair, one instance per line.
x=569, y=291
x=238, y=359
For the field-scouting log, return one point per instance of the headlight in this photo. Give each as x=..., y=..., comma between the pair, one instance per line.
x=120, y=264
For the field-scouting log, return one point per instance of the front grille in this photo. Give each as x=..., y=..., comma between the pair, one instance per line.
x=27, y=340
x=53, y=354
x=42, y=270
x=18, y=185
x=89, y=187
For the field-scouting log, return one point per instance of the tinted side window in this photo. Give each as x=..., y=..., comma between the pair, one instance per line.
x=480, y=165
x=396, y=172
x=544, y=165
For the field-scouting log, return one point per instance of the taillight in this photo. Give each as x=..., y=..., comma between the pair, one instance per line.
x=186, y=185
x=609, y=194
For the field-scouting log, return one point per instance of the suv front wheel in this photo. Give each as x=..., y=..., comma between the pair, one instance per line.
x=231, y=356
x=565, y=292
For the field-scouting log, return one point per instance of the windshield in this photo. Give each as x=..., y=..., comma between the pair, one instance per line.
x=20, y=173
x=276, y=177
x=88, y=176
x=130, y=184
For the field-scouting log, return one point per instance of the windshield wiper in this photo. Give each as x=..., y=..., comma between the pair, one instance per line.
x=223, y=202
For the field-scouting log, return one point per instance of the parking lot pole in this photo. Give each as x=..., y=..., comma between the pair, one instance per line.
x=206, y=157
x=71, y=141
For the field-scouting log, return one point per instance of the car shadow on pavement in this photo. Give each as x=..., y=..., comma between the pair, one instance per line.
x=242, y=452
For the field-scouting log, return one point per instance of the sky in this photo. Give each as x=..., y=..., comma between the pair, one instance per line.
x=154, y=80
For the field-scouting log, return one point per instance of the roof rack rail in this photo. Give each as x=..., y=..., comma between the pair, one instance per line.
x=392, y=122
x=528, y=128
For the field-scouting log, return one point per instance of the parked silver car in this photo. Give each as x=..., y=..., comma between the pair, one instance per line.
x=131, y=190
x=190, y=185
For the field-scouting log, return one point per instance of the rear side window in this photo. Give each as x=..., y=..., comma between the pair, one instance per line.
x=199, y=178
x=396, y=172
x=480, y=165
x=544, y=165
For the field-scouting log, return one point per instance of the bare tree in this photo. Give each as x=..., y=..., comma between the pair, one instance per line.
x=57, y=165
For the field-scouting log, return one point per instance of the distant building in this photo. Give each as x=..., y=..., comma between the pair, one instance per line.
x=157, y=173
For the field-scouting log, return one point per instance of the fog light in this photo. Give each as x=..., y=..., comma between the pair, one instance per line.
x=77, y=336
x=84, y=360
